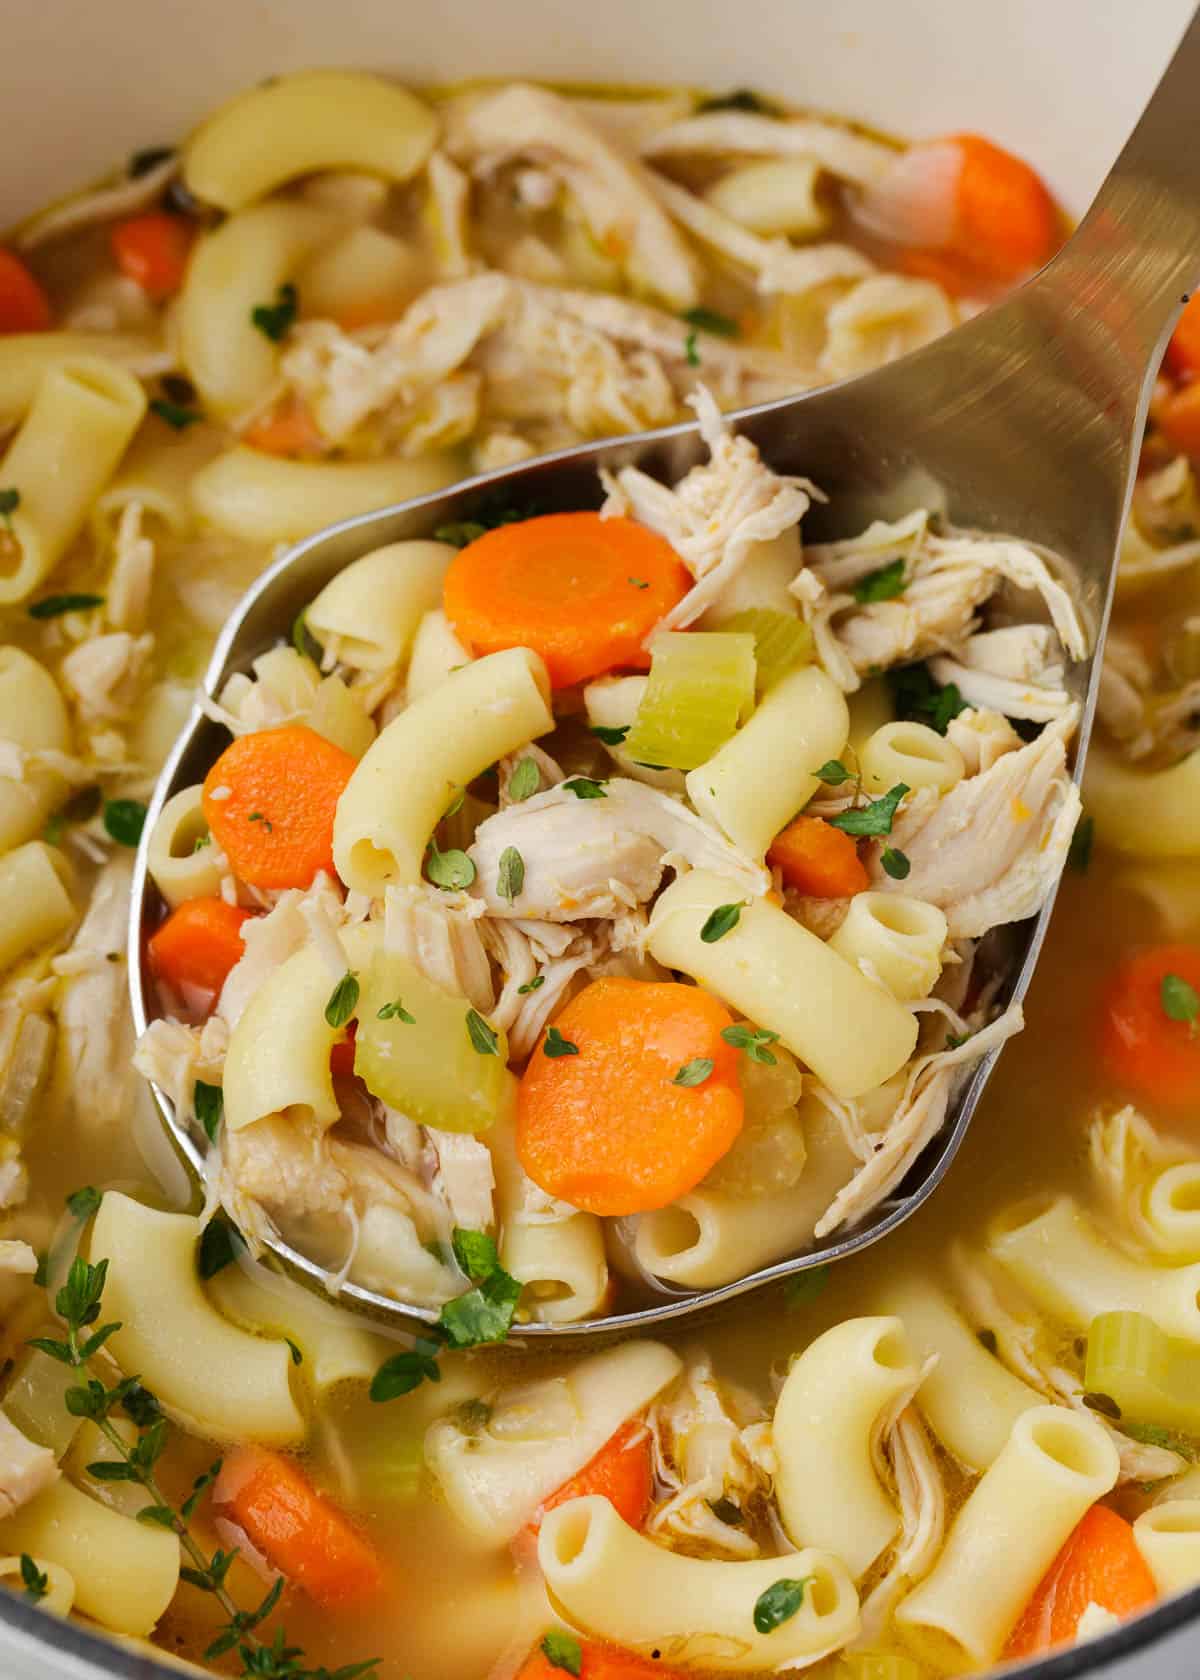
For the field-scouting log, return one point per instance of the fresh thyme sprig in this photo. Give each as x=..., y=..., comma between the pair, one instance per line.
x=78, y=1303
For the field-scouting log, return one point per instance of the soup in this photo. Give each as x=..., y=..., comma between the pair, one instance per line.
x=339, y=295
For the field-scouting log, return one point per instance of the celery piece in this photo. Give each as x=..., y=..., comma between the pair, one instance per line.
x=782, y=642
x=877, y=1665
x=391, y=1473
x=427, y=1066
x=1154, y=1378
x=701, y=685
x=36, y=1399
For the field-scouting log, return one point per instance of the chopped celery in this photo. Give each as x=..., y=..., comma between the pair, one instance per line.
x=391, y=1473
x=422, y=1057
x=877, y=1665
x=1154, y=1378
x=782, y=642
x=701, y=685
x=36, y=1401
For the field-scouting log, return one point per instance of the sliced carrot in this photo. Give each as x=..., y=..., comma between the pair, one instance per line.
x=582, y=591
x=1183, y=352
x=606, y=1126
x=600, y=1662
x=299, y=1532
x=623, y=1471
x=153, y=250
x=24, y=306
x=198, y=944
x=1100, y=1564
x=270, y=801
x=341, y=1057
x=1179, y=420
x=1152, y=1055
x=818, y=860
x=289, y=429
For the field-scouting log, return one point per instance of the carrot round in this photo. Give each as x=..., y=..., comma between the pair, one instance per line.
x=606, y=1126
x=24, y=306
x=1178, y=419
x=153, y=250
x=599, y=1662
x=1100, y=1564
x=297, y=1530
x=623, y=1471
x=582, y=591
x=289, y=429
x=198, y=944
x=270, y=801
x=1153, y=1055
x=818, y=860
x=1183, y=352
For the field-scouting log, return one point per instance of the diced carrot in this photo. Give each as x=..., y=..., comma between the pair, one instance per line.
x=1179, y=420
x=198, y=944
x=270, y=801
x=1153, y=1054
x=299, y=1532
x=341, y=1057
x=1183, y=352
x=641, y=1107
x=818, y=859
x=1100, y=1564
x=289, y=429
x=623, y=1471
x=600, y=1662
x=582, y=591
x=153, y=250
x=24, y=306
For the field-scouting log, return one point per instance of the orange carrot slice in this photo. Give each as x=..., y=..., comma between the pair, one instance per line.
x=297, y=1530
x=1183, y=352
x=644, y=1103
x=1152, y=1052
x=1100, y=1564
x=599, y=1662
x=153, y=250
x=270, y=801
x=198, y=944
x=288, y=429
x=24, y=306
x=818, y=860
x=1179, y=420
x=623, y=1471
x=582, y=591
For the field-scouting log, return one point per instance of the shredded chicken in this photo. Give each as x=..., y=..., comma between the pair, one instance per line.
x=981, y=737
x=464, y=1178
x=271, y=939
x=25, y=1468
x=94, y=1025
x=989, y=851
x=1017, y=671
x=838, y=149
x=439, y=933
x=1125, y=1153
x=17, y=1259
x=127, y=601
x=103, y=205
x=103, y=675
x=175, y=1055
x=922, y=1497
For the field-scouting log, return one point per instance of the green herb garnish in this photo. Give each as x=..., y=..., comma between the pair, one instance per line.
x=753, y=1040
x=54, y=606
x=883, y=585
x=691, y=354
x=805, y=1286
x=1104, y=1404
x=343, y=1000
x=612, y=737
x=741, y=99
x=638, y=583
x=916, y=695
x=274, y=320
x=531, y=985
x=1079, y=853
x=721, y=921
x=562, y=1650
x=405, y=1371
x=453, y=871
x=483, y=1037
x=82, y=1204
x=124, y=820
x=175, y=414
x=779, y=1602
x=711, y=321
x=1179, y=1000
x=37, y=1584
x=556, y=1045
x=694, y=1072
x=876, y=817
x=10, y=501
x=833, y=772
x=583, y=787
x=209, y=1104
x=219, y=1246
x=303, y=640
x=895, y=863
x=525, y=780
x=510, y=877
x=395, y=1011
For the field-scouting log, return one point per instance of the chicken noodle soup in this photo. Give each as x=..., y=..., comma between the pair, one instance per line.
x=581, y=906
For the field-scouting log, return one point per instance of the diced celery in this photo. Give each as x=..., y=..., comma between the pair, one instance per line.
x=1154, y=1378
x=391, y=1471
x=701, y=686
x=428, y=1066
x=36, y=1402
x=782, y=642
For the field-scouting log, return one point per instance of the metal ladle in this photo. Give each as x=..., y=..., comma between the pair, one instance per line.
x=1026, y=421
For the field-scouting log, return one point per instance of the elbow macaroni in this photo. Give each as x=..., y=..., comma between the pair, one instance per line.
x=560, y=1261
x=851, y=1033
x=178, y=869
x=372, y=609
x=901, y=938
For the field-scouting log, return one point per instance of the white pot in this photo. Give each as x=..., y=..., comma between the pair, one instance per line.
x=1062, y=81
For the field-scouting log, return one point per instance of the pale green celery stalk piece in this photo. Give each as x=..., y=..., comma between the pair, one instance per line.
x=393, y=1474
x=429, y=1068
x=782, y=642
x=36, y=1401
x=1153, y=1377
x=701, y=685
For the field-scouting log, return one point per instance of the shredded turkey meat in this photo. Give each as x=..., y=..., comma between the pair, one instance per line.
x=25, y=1468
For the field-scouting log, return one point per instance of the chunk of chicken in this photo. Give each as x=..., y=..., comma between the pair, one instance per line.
x=127, y=601
x=1017, y=671
x=439, y=934
x=103, y=675
x=922, y=1497
x=25, y=1468
x=982, y=737
x=271, y=939
x=712, y=1446
x=95, y=1029
x=611, y=189
x=838, y=149
x=597, y=857
x=989, y=851
x=464, y=1178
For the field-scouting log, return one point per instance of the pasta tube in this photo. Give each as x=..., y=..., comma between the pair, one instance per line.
x=35, y=906
x=1168, y=1537
x=182, y=861
x=373, y=607
x=33, y=716
x=899, y=939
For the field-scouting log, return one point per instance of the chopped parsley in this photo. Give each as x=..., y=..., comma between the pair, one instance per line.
x=711, y=321
x=218, y=1247
x=1079, y=854
x=876, y=817
x=274, y=320
x=492, y=512
x=805, y=1286
x=475, y=1252
x=531, y=985
x=556, y=1045
x=124, y=820
x=10, y=501
x=694, y=1072
x=510, y=876
x=483, y=1037
x=916, y=695
x=453, y=871
x=638, y=583
x=612, y=737
x=955, y=1041
x=343, y=1000
x=525, y=780
x=209, y=1104
x=37, y=1584
x=833, y=772
x=779, y=1602
x=395, y=1011
x=740, y=99
x=303, y=640
x=485, y=1312
x=882, y=585
x=405, y=1371
x=1154, y=1435
x=583, y=787
x=753, y=1040
x=726, y=1511
x=1179, y=1001
x=82, y=1204
x=54, y=606
x=720, y=921
x=175, y=414
x=691, y=354
x=562, y=1650
x=895, y=863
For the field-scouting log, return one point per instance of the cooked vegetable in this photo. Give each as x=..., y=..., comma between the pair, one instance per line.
x=582, y=591
x=269, y=801
x=1183, y=352
x=1153, y=1053
x=819, y=860
x=623, y=1471
x=701, y=686
x=1178, y=418
x=153, y=250
x=596, y=1662
x=781, y=643
x=1100, y=1564
x=298, y=1530
x=198, y=944
x=1154, y=1378
x=440, y=1074
x=286, y=429
x=24, y=306
x=607, y=1129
